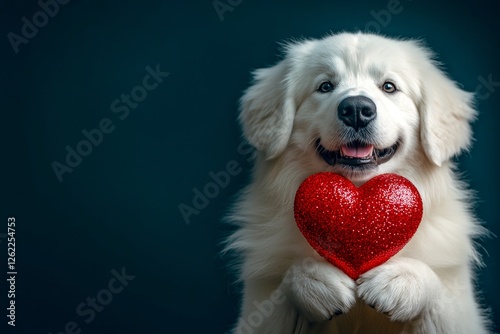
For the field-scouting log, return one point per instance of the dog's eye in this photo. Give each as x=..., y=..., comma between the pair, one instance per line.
x=389, y=87
x=325, y=87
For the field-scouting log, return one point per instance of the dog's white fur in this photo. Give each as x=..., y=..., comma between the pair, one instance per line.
x=428, y=286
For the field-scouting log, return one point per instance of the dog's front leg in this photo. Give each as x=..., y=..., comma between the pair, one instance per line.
x=266, y=310
x=408, y=290
x=309, y=293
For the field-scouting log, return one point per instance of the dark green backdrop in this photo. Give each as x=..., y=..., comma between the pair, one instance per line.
x=119, y=207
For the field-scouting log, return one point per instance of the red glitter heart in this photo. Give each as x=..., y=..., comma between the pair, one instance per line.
x=357, y=229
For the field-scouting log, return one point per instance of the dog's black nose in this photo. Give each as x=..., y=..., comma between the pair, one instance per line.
x=357, y=111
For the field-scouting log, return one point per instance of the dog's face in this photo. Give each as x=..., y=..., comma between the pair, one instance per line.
x=360, y=112
x=358, y=105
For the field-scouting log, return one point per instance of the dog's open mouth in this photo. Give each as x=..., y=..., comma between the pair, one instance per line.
x=356, y=154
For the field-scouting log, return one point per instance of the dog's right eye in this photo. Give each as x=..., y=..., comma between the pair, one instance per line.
x=325, y=87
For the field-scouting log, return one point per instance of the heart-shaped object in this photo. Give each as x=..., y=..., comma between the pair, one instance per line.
x=357, y=229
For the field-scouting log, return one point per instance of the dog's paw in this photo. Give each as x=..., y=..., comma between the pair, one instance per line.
x=319, y=290
x=400, y=288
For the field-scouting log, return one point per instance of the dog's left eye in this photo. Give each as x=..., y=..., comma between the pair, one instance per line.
x=389, y=87
x=325, y=87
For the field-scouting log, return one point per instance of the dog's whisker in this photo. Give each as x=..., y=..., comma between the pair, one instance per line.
x=313, y=140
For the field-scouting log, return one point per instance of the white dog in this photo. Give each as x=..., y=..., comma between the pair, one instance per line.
x=359, y=105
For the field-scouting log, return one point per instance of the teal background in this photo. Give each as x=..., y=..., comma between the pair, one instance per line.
x=119, y=207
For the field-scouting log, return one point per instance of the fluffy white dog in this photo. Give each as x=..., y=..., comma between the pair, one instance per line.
x=359, y=105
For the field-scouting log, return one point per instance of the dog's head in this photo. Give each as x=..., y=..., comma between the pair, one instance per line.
x=357, y=104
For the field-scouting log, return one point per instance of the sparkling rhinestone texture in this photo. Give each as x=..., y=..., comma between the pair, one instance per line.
x=357, y=229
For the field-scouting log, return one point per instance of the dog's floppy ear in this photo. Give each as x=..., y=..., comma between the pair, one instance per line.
x=445, y=112
x=267, y=110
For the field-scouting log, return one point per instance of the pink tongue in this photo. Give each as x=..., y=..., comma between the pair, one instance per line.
x=357, y=152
